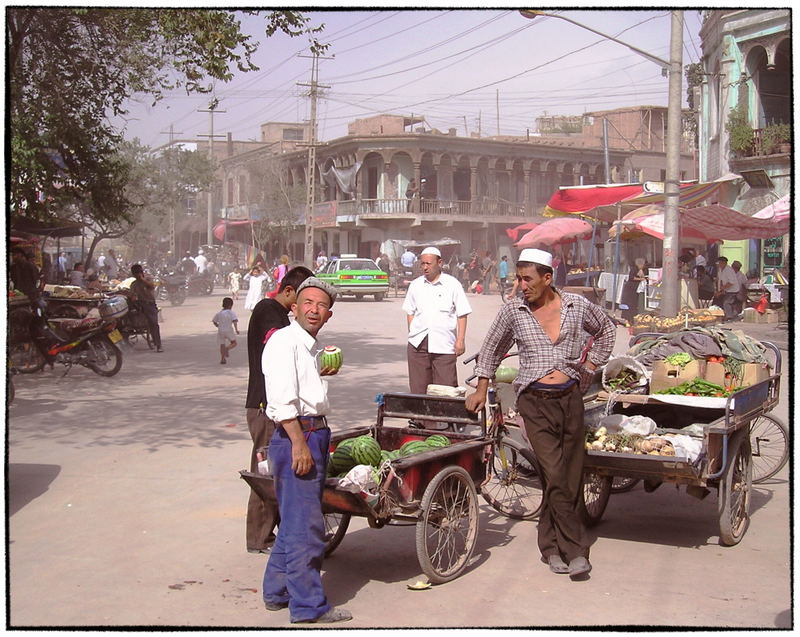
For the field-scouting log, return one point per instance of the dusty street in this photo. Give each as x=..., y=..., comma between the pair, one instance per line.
x=126, y=508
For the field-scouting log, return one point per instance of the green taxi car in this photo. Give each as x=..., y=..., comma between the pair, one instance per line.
x=356, y=276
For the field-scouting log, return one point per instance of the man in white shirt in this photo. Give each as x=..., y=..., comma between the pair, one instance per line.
x=111, y=265
x=297, y=401
x=728, y=287
x=741, y=295
x=408, y=259
x=201, y=262
x=437, y=310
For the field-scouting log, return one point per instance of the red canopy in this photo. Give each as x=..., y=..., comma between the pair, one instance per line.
x=219, y=228
x=555, y=231
x=514, y=233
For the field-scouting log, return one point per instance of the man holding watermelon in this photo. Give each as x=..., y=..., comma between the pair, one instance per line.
x=297, y=400
x=269, y=315
x=550, y=329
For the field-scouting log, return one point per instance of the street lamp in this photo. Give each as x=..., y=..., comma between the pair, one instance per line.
x=670, y=290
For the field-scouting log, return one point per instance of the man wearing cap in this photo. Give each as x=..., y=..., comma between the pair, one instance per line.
x=727, y=288
x=437, y=310
x=297, y=400
x=550, y=329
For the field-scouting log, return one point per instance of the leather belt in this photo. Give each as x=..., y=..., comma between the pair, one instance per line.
x=312, y=423
x=548, y=393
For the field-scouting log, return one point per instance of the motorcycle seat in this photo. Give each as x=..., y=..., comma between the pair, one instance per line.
x=78, y=326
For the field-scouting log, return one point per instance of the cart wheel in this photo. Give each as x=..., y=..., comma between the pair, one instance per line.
x=448, y=526
x=735, y=487
x=514, y=487
x=769, y=442
x=335, y=527
x=594, y=497
x=620, y=484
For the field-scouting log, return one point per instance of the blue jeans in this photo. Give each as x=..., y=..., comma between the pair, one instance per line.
x=292, y=573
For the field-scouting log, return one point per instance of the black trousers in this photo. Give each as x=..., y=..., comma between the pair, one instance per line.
x=151, y=315
x=262, y=517
x=555, y=430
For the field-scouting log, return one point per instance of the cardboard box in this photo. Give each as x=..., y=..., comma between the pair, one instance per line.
x=752, y=373
x=666, y=376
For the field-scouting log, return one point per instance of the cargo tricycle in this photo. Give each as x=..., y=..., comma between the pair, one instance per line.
x=434, y=490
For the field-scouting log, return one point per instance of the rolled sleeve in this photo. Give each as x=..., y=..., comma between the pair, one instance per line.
x=602, y=329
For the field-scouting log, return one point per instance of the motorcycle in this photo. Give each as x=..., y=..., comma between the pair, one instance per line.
x=171, y=287
x=90, y=342
x=134, y=324
x=198, y=284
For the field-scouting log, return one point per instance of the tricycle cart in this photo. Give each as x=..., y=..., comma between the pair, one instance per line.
x=435, y=490
x=725, y=462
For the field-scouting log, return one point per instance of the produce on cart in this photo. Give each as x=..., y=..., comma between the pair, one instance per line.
x=691, y=427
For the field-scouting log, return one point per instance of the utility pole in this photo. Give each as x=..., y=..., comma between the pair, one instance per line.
x=212, y=108
x=172, y=246
x=670, y=282
x=466, y=130
x=479, y=123
x=497, y=106
x=314, y=86
x=605, y=151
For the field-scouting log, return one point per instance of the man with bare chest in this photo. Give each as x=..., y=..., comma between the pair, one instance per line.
x=551, y=330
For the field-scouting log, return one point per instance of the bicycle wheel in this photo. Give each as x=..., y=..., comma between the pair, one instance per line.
x=335, y=527
x=447, y=529
x=594, y=497
x=514, y=487
x=769, y=440
x=621, y=484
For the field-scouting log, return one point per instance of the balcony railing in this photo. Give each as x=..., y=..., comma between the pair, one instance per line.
x=430, y=207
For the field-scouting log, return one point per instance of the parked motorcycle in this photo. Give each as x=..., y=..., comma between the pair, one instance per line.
x=171, y=287
x=198, y=284
x=90, y=342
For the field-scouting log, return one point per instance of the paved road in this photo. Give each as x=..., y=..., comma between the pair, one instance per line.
x=126, y=509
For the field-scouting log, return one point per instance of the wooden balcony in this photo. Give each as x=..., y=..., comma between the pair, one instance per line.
x=432, y=208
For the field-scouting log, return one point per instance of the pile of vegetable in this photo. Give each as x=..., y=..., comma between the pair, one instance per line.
x=601, y=440
x=679, y=359
x=626, y=379
x=365, y=450
x=699, y=387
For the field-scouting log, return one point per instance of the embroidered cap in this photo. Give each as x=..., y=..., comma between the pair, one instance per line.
x=533, y=255
x=314, y=282
x=434, y=251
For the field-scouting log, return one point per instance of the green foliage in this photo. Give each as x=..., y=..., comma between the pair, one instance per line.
x=774, y=135
x=71, y=69
x=740, y=133
x=694, y=77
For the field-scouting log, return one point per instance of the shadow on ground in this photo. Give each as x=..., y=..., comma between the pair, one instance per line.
x=26, y=482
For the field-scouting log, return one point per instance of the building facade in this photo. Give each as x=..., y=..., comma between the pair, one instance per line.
x=747, y=68
x=471, y=188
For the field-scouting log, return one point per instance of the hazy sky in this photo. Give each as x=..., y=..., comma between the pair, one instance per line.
x=447, y=65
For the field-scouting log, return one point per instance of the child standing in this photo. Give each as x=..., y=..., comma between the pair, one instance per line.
x=227, y=327
x=235, y=278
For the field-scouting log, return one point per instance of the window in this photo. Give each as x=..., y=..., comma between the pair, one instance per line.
x=293, y=134
x=230, y=191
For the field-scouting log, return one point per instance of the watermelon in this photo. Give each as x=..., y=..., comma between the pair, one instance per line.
x=388, y=456
x=505, y=374
x=344, y=444
x=415, y=446
x=331, y=356
x=341, y=460
x=366, y=450
x=438, y=440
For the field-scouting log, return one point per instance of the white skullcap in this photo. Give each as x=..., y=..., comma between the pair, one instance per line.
x=431, y=250
x=533, y=255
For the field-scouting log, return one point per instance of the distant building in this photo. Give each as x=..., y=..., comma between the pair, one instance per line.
x=472, y=188
x=747, y=63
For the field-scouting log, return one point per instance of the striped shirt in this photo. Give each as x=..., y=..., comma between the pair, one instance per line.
x=538, y=355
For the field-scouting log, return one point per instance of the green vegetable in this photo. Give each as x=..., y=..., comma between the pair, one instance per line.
x=681, y=359
x=699, y=387
x=625, y=379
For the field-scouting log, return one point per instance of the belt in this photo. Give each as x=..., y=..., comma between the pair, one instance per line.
x=550, y=393
x=312, y=423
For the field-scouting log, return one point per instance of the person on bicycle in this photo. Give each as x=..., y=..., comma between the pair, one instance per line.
x=144, y=290
x=549, y=328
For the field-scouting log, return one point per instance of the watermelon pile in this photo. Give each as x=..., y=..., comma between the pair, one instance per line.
x=365, y=450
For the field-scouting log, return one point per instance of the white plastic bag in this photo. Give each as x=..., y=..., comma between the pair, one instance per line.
x=641, y=425
x=686, y=446
x=615, y=366
x=359, y=479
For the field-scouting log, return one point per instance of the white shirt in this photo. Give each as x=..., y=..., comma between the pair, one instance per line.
x=322, y=261
x=113, y=267
x=224, y=320
x=700, y=260
x=436, y=308
x=200, y=261
x=254, y=294
x=742, y=280
x=728, y=275
x=407, y=259
x=294, y=386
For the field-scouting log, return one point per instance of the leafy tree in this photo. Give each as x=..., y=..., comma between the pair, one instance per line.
x=70, y=69
x=694, y=77
x=282, y=202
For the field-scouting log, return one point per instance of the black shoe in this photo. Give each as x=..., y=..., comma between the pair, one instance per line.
x=579, y=568
x=159, y=349
x=275, y=605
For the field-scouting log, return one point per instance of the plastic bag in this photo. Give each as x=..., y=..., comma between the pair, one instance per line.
x=686, y=446
x=615, y=366
x=358, y=479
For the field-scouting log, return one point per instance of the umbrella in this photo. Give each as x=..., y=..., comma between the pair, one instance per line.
x=650, y=225
x=556, y=231
x=779, y=212
x=514, y=233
